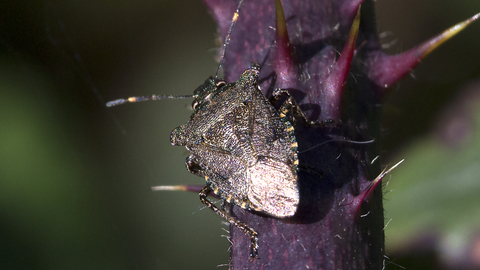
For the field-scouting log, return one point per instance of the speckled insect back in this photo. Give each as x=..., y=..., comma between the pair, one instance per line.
x=242, y=146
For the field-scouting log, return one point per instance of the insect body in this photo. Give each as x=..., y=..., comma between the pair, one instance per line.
x=244, y=148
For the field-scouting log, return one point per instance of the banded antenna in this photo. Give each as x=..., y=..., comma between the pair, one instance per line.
x=227, y=38
x=158, y=97
x=143, y=98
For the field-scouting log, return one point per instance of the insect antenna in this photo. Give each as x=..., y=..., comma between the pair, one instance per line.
x=227, y=38
x=158, y=97
x=144, y=98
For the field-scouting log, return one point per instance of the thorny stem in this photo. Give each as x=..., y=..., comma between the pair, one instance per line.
x=339, y=223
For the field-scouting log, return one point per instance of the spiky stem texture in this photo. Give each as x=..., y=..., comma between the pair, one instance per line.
x=333, y=65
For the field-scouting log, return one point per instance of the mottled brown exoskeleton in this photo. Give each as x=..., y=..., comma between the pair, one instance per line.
x=243, y=146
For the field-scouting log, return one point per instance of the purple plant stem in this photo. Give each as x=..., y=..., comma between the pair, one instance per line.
x=339, y=222
x=326, y=232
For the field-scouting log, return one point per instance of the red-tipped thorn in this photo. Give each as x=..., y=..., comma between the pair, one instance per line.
x=283, y=61
x=338, y=76
x=367, y=192
x=350, y=8
x=386, y=70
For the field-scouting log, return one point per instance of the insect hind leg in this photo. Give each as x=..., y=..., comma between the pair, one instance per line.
x=242, y=226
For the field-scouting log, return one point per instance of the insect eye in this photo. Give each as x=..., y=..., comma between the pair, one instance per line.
x=195, y=104
x=220, y=83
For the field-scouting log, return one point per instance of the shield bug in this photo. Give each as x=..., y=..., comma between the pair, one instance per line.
x=244, y=148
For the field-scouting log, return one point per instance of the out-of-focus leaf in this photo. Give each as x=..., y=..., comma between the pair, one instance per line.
x=49, y=217
x=435, y=193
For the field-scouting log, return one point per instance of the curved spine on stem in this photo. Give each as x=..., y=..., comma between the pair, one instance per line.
x=337, y=78
x=386, y=70
x=283, y=60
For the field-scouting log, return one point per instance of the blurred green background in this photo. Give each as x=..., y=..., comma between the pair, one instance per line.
x=75, y=177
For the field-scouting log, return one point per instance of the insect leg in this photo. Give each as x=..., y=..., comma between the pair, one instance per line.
x=242, y=226
x=291, y=105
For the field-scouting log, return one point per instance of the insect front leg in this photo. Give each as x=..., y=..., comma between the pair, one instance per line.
x=242, y=226
x=291, y=106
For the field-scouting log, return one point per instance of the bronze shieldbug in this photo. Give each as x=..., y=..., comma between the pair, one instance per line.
x=242, y=146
